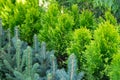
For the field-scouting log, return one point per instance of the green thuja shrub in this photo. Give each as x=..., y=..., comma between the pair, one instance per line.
x=108, y=16
x=51, y=15
x=62, y=35
x=113, y=70
x=106, y=36
x=5, y=12
x=93, y=65
x=117, y=9
x=57, y=30
x=87, y=19
x=76, y=15
x=32, y=21
x=80, y=38
x=99, y=53
x=26, y=14
x=49, y=22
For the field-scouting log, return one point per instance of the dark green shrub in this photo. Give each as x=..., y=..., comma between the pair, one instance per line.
x=107, y=4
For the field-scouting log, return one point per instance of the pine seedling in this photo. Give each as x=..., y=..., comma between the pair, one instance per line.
x=71, y=73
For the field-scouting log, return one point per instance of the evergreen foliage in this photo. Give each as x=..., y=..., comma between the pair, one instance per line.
x=71, y=73
x=99, y=53
x=80, y=38
x=27, y=63
x=113, y=70
x=88, y=28
x=87, y=19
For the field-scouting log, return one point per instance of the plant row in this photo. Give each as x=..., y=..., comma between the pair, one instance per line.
x=89, y=29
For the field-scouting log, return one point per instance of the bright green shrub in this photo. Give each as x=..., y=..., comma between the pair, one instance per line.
x=114, y=68
x=31, y=24
x=51, y=15
x=100, y=52
x=87, y=19
x=49, y=22
x=106, y=36
x=108, y=16
x=5, y=12
x=62, y=35
x=98, y=7
x=32, y=19
x=26, y=15
x=80, y=38
x=76, y=15
x=57, y=34
x=13, y=14
x=93, y=64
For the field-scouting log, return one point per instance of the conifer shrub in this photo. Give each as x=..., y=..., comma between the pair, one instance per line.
x=106, y=36
x=58, y=32
x=80, y=38
x=87, y=19
x=26, y=15
x=108, y=16
x=93, y=64
x=99, y=53
x=104, y=4
x=76, y=16
x=49, y=22
x=113, y=70
x=71, y=73
x=18, y=61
